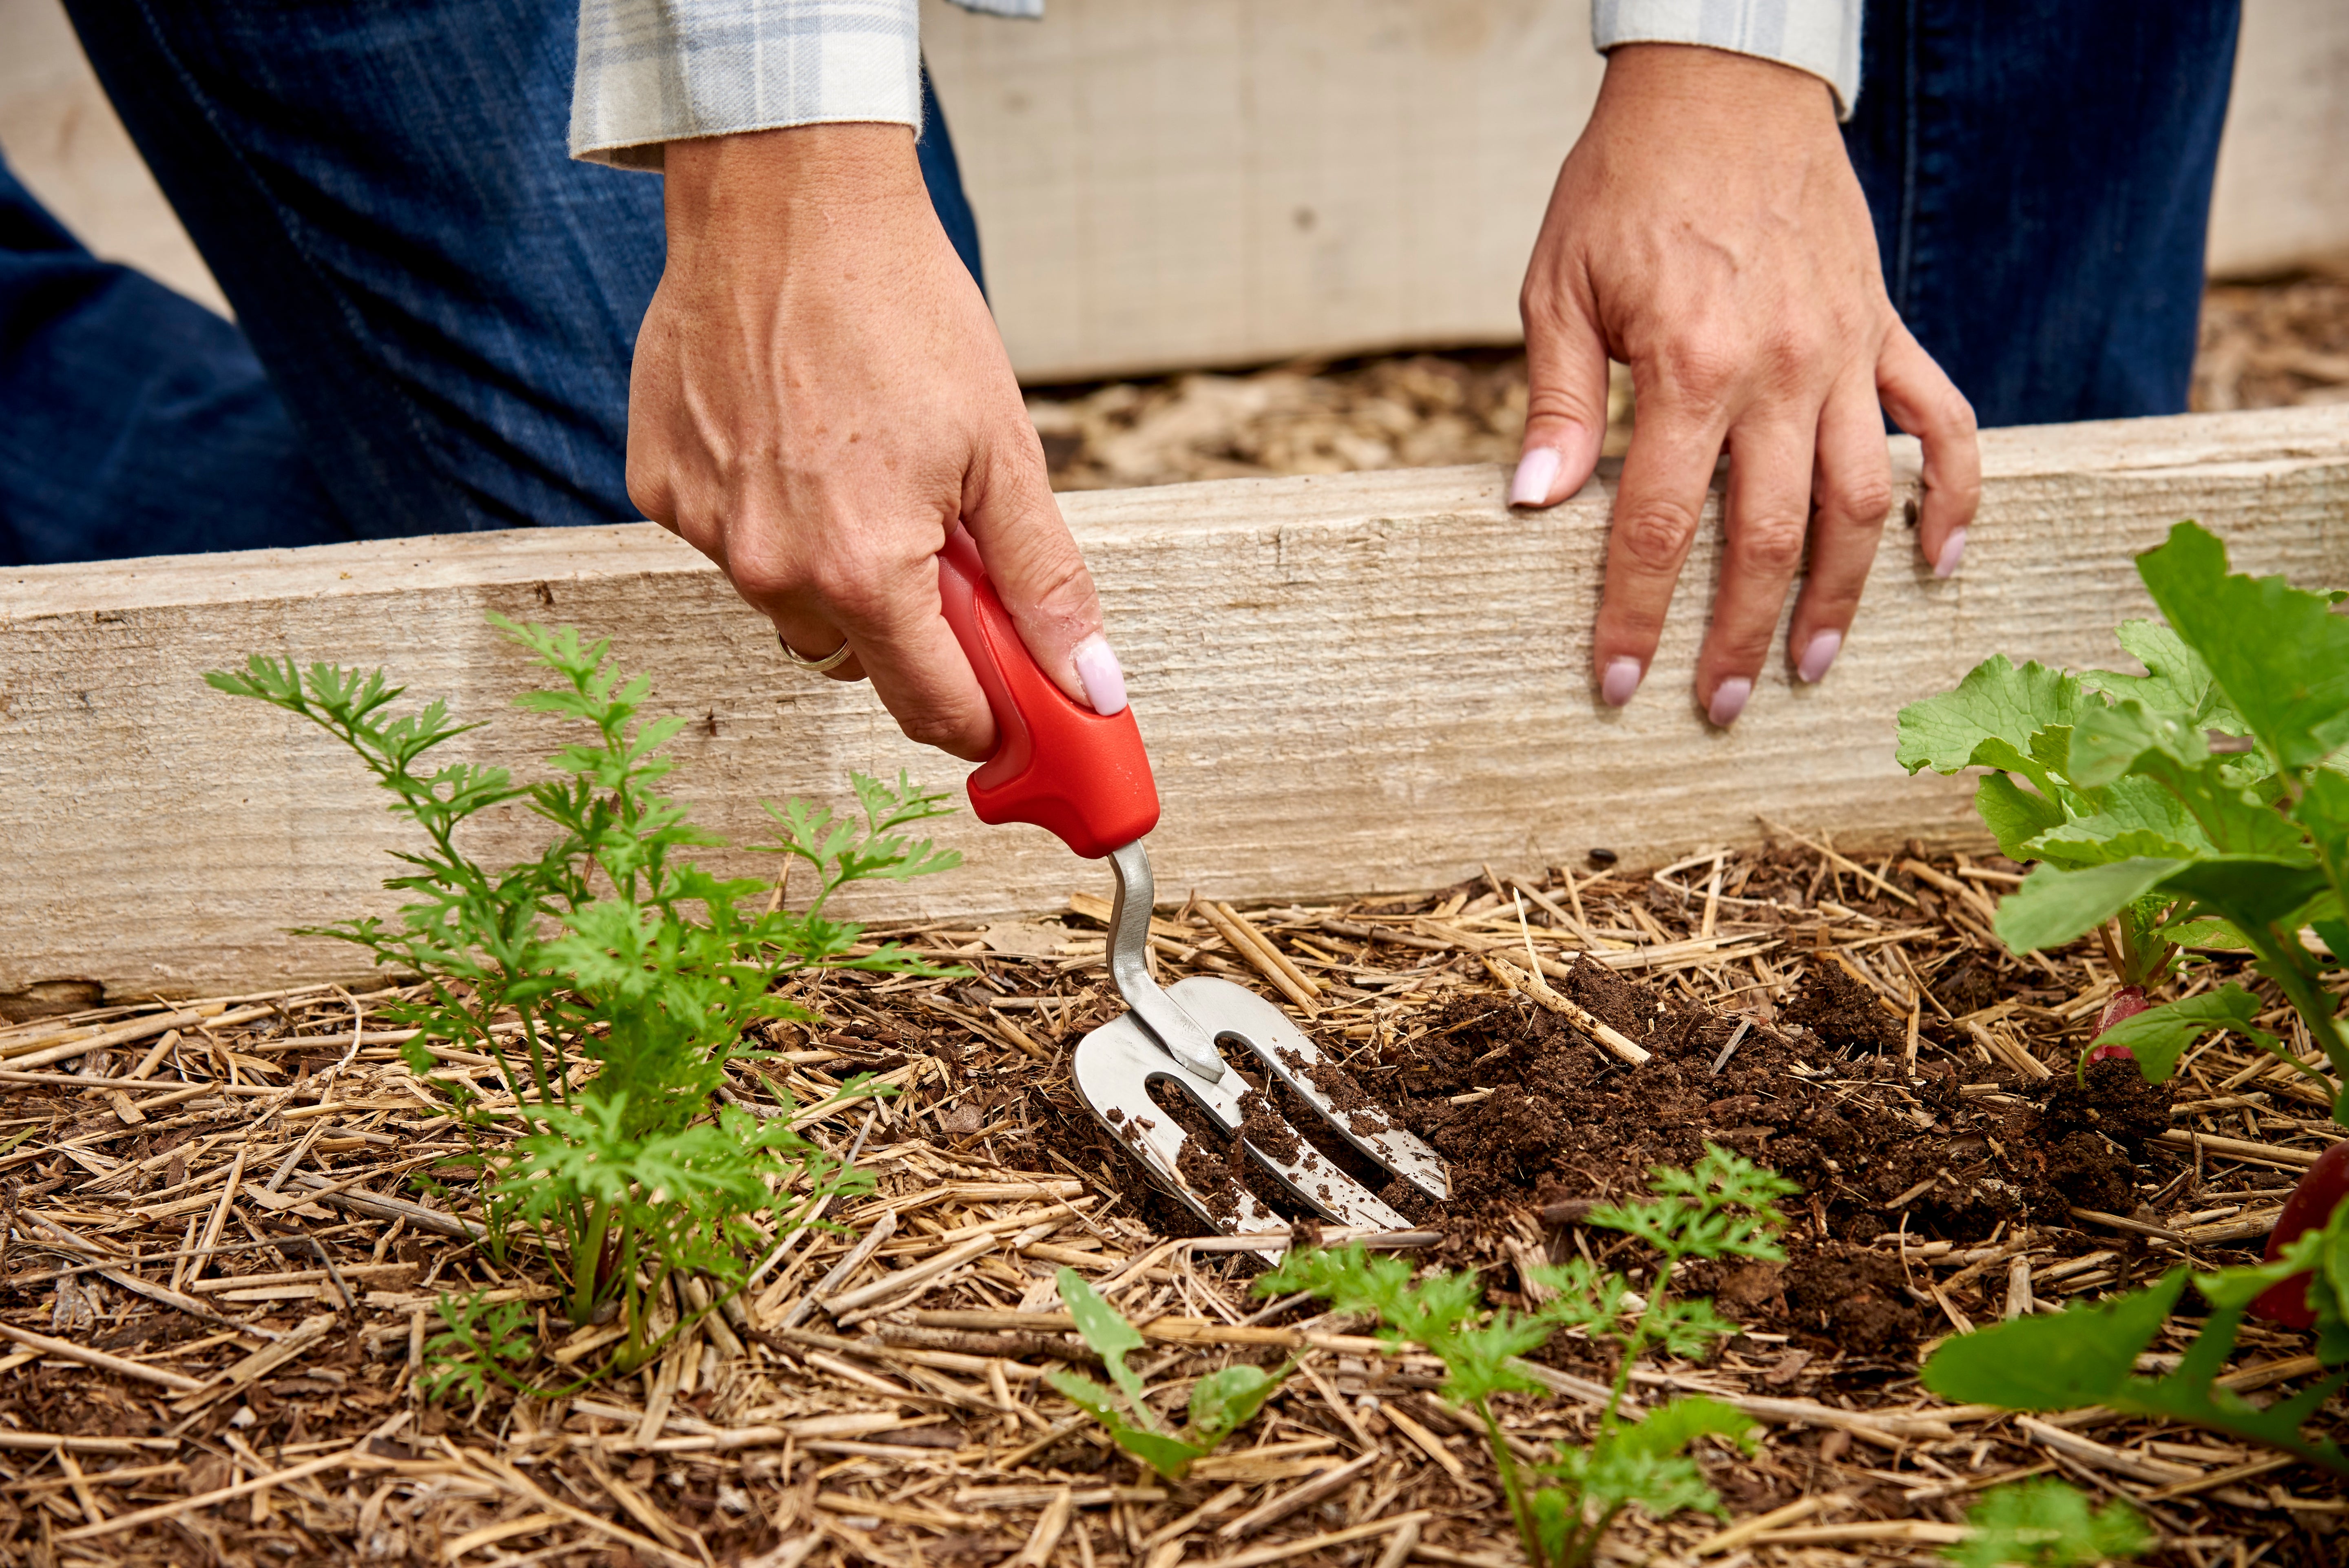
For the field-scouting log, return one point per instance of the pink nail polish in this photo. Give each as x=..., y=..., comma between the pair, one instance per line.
x=1536, y=472
x=1729, y=701
x=1953, y=549
x=1622, y=679
x=1098, y=673
x=1812, y=667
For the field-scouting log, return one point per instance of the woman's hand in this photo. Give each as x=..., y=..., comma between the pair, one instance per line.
x=820, y=396
x=1707, y=230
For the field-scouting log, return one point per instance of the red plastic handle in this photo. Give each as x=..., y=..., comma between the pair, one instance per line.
x=1080, y=776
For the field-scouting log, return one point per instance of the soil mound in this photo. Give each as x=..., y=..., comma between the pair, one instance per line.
x=1537, y=1123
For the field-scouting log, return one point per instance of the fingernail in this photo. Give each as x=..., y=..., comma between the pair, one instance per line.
x=1098, y=673
x=1953, y=549
x=1729, y=701
x=1813, y=666
x=1535, y=472
x=1622, y=679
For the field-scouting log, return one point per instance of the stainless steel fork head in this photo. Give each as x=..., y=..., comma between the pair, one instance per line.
x=1116, y=1065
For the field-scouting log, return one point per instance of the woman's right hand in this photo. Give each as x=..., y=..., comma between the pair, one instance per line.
x=819, y=397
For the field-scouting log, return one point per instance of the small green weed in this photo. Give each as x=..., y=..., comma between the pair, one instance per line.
x=1725, y=1207
x=1221, y=1403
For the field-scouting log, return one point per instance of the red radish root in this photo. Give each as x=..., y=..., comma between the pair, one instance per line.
x=2311, y=1204
x=2126, y=1003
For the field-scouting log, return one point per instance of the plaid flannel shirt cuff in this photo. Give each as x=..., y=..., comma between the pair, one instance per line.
x=656, y=71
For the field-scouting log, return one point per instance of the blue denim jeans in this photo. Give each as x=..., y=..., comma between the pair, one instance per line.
x=2040, y=175
x=436, y=306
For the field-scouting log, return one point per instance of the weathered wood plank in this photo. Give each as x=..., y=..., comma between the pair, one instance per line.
x=1356, y=682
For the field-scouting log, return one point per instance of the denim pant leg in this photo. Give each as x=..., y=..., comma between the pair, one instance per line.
x=2040, y=175
x=446, y=303
x=132, y=420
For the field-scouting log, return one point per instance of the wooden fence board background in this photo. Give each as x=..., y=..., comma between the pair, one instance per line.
x=1349, y=682
x=1163, y=184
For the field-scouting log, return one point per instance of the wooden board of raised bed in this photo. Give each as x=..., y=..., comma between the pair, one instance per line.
x=1349, y=682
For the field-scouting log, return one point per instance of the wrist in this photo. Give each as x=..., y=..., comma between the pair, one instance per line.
x=848, y=167
x=1694, y=81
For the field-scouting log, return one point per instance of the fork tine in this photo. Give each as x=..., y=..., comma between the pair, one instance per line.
x=1232, y=1013
x=1173, y=1035
x=1115, y=1068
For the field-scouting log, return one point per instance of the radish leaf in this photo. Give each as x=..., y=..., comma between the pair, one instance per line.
x=2279, y=653
x=1991, y=720
x=2054, y=905
x=2077, y=1357
x=2016, y=816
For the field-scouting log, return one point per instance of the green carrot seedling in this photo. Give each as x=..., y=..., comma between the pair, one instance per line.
x=2047, y=1523
x=1725, y=1207
x=629, y=1008
x=1221, y=1403
x=479, y=1342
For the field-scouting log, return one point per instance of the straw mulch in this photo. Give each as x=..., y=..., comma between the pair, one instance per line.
x=219, y=1276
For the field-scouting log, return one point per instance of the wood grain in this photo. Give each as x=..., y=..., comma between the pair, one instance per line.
x=1349, y=682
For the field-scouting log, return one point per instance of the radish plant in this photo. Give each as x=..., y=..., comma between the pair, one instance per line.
x=2087, y=1355
x=610, y=1009
x=2201, y=804
x=1725, y=1207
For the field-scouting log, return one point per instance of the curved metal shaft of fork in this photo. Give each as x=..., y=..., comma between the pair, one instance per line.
x=1129, y=969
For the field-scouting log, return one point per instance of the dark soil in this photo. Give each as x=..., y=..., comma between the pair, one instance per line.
x=1819, y=1095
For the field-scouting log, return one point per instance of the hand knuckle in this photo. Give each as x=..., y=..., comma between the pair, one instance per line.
x=1958, y=415
x=849, y=589
x=768, y=576
x=932, y=729
x=1701, y=369
x=1866, y=501
x=1561, y=403
x=1539, y=308
x=1656, y=535
x=1068, y=590
x=1772, y=545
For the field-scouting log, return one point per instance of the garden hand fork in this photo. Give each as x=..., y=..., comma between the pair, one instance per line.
x=1086, y=780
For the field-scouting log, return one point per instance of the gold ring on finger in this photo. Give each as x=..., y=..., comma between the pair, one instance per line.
x=830, y=661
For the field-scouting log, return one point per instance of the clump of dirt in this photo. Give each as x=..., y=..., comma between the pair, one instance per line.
x=2084, y=1171
x=2115, y=1101
x=1854, y=1299
x=1844, y=1013
x=1545, y=1119
x=1968, y=985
